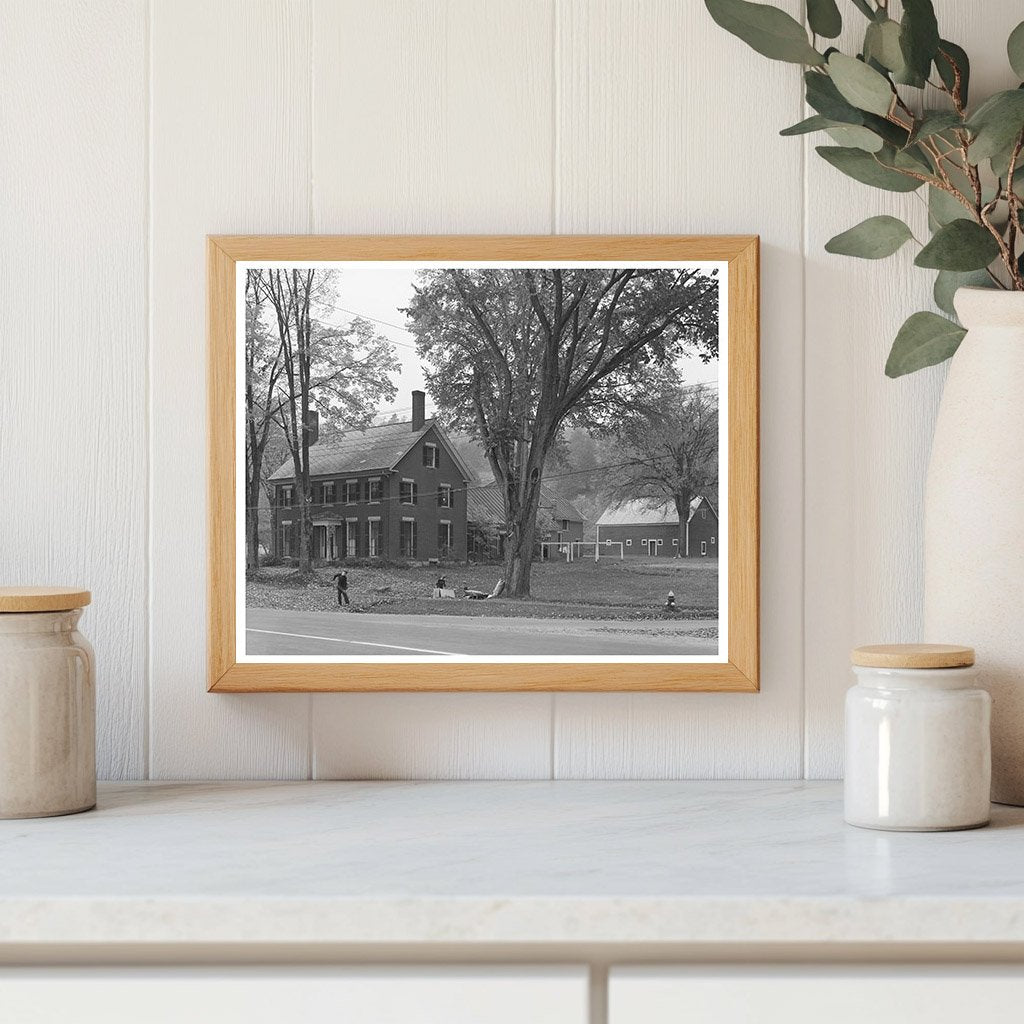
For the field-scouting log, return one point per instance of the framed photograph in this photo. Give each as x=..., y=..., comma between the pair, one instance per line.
x=483, y=463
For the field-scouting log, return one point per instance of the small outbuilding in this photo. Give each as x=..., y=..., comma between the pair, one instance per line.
x=647, y=530
x=559, y=523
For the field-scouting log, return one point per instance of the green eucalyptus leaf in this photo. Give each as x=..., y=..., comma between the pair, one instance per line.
x=866, y=168
x=872, y=239
x=949, y=56
x=1015, y=50
x=947, y=283
x=857, y=137
x=882, y=44
x=824, y=18
x=912, y=158
x=919, y=39
x=769, y=31
x=1001, y=161
x=808, y=125
x=959, y=245
x=892, y=133
x=934, y=122
x=860, y=85
x=926, y=339
x=944, y=208
x=997, y=124
x=825, y=98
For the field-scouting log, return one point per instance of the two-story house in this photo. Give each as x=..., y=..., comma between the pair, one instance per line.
x=393, y=491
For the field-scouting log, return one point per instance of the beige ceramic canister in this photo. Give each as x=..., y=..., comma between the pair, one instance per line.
x=47, y=704
x=918, y=748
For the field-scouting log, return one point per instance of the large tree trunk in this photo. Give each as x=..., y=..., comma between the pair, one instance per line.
x=304, y=522
x=519, y=550
x=682, y=501
x=522, y=502
x=252, y=527
x=254, y=471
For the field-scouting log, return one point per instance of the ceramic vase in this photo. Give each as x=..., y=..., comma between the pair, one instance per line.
x=974, y=518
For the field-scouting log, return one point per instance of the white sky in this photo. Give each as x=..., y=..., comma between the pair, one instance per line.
x=379, y=295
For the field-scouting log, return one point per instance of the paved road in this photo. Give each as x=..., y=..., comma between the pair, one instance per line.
x=271, y=631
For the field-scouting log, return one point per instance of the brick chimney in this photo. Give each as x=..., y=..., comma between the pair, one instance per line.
x=419, y=400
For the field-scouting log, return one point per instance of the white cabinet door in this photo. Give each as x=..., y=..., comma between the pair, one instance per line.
x=472, y=995
x=815, y=995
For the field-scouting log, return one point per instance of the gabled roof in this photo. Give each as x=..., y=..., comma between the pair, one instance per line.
x=376, y=448
x=485, y=505
x=641, y=513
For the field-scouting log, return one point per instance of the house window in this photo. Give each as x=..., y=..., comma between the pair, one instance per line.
x=350, y=492
x=565, y=524
x=703, y=513
x=351, y=537
x=374, y=489
x=712, y=540
x=285, y=495
x=675, y=542
x=444, y=495
x=658, y=543
x=407, y=492
x=407, y=538
x=444, y=538
x=703, y=547
x=629, y=543
x=373, y=538
x=430, y=456
x=327, y=493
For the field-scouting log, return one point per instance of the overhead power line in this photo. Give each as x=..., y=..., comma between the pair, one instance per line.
x=477, y=487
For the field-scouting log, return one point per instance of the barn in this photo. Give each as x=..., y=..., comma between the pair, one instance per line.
x=653, y=531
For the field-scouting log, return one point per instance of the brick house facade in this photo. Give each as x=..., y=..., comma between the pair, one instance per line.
x=394, y=491
x=654, y=532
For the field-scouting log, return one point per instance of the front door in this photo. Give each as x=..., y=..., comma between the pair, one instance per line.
x=319, y=541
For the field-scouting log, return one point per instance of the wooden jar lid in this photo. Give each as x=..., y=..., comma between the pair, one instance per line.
x=913, y=656
x=42, y=599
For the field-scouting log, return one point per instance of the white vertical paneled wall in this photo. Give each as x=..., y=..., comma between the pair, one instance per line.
x=230, y=141
x=73, y=302
x=134, y=129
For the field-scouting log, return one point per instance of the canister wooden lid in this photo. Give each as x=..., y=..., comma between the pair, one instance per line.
x=42, y=599
x=913, y=656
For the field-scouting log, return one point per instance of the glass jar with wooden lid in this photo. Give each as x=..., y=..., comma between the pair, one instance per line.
x=918, y=748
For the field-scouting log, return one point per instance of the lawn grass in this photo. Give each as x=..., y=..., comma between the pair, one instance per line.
x=610, y=589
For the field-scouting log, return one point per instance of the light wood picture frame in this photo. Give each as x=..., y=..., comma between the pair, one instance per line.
x=737, y=669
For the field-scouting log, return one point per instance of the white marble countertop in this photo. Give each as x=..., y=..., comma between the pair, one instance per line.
x=574, y=863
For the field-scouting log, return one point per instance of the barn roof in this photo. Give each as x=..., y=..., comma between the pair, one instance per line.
x=642, y=513
x=357, y=451
x=485, y=505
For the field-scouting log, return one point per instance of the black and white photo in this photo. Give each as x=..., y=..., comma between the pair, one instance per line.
x=516, y=461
